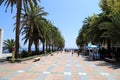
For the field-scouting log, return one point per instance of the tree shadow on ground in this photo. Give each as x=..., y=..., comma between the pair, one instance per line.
x=85, y=58
x=3, y=61
x=114, y=65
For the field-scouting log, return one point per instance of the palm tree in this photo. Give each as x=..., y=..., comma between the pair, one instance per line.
x=36, y=39
x=9, y=45
x=112, y=29
x=49, y=35
x=116, y=21
x=33, y=19
x=90, y=31
x=18, y=3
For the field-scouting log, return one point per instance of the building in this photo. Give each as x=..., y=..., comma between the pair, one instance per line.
x=1, y=41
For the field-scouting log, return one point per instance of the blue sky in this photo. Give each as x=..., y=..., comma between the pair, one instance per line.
x=67, y=15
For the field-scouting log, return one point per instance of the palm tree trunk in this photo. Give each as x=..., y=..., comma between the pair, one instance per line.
x=49, y=47
x=46, y=46
x=43, y=46
x=19, y=6
x=29, y=47
x=30, y=40
x=52, y=47
x=108, y=44
x=36, y=47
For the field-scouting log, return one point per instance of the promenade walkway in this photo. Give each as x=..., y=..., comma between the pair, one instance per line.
x=62, y=66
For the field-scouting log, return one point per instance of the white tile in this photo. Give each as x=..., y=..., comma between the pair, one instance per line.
x=92, y=65
x=46, y=72
x=80, y=73
x=20, y=71
x=78, y=65
x=68, y=65
x=67, y=73
x=105, y=74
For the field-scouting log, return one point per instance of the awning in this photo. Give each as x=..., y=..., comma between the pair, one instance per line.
x=92, y=46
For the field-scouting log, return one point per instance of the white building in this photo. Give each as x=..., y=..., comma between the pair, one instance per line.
x=1, y=41
x=2, y=56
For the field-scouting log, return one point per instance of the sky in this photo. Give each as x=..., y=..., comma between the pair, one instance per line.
x=67, y=15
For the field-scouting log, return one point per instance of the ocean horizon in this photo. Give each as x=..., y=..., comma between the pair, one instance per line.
x=21, y=49
x=33, y=49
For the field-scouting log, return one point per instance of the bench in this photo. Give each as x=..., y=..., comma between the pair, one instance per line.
x=51, y=54
x=36, y=59
x=111, y=60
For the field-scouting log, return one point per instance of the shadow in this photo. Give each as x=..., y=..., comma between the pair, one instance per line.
x=86, y=58
x=114, y=65
x=3, y=61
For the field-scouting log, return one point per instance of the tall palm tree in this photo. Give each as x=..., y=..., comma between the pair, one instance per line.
x=48, y=34
x=33, y=18
x=18, y=3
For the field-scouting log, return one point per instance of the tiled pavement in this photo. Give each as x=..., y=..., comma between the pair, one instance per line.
x=62, y=66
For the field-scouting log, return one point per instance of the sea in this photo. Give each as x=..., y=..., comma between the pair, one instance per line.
x=33, y=49
x=20, y=50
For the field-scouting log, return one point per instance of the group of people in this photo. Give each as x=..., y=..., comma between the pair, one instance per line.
x=93, y=54
x=78, y=52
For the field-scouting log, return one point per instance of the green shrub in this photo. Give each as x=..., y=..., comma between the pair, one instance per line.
x=25, y=54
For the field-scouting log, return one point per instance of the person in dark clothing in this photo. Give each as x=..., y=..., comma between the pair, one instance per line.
x=78, y=53
x=72, y=53
x=102, y=53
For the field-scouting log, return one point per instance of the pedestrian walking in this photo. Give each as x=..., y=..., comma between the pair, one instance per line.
x=78, y=53
x=72, y=53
